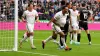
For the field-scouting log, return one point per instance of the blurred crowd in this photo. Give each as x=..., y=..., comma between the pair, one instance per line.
x=6, y=10
x=45, y=8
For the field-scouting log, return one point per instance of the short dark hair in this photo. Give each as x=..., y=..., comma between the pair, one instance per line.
x=74, y=5
x=63, y=7
x=30, y=4
x=83, y=4
x=67, y=4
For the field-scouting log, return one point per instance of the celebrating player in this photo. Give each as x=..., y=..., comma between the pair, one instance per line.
x=66, y=26
x=59, y=21
x=30, y=15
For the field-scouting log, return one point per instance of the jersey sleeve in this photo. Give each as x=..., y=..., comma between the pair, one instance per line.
x=56, y=16
x=24, y=14
x=36, y=13
x=77, y=13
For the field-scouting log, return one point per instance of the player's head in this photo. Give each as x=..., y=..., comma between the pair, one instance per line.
x=83, y=5
x=65, y=9
x=69, y=5
x=30, y=6
x=74, y=7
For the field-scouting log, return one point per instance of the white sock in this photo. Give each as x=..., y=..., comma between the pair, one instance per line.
x=71, y=37
x=25, y=35
x=48, y=39
x=31, y=40
x=63, y=41
x=24, y=39
x=75, y=37
x=55, y=41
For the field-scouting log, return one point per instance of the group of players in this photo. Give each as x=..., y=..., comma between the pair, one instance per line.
x=66, y=18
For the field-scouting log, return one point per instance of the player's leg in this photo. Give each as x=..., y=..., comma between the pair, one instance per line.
x=26, y=35
x=75, y=31
x=89, y=36
x=31, y=31
x=75, y=36
x=87, y=32
x=61, y=44
x=61, y=33
x=55, y=39
x=30, y=28
x=63, y=41
x=79, y=32
x=79, y=36
x=54, y=35
x=66, y=27
x=71, y=37
x=21, y=41
x=71, y=34
x=65, y=30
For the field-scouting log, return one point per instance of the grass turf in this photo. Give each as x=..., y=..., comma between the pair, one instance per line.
x=51, y=49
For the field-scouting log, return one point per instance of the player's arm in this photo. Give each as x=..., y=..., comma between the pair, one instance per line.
x=71, y=22
x=90, y=16
x=70, y=19
x=23, y=16
x=37, y=17
x=52, y=20
x=78, y=16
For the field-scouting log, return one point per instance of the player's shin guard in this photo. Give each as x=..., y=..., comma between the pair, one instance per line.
x=63, y=41
x=65, y=38
x=75, y=37
x=78, y=37
x=48, y=39
x=31, y=41
x=71, y=37
x=25, y=35
x=89, y=37
x=23, y=39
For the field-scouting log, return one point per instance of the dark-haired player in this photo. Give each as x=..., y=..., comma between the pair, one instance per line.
x=83, y=23
x=30, y=15
x=59, y=21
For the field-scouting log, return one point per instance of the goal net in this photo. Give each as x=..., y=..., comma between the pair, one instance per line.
x=8, y=25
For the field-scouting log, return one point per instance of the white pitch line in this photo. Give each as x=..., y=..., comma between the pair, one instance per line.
x=91, y=44
x=36, y=53
x=80, y=43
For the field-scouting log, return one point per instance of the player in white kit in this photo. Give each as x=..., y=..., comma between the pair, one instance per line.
x=59, y=20
x=74, y=23
x=30, y=15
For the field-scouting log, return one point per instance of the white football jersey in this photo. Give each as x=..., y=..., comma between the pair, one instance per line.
x=60, y=18
x=74, y=15
x=30, y=16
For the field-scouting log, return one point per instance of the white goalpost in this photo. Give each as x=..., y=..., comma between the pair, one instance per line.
x=9, y=25
x=16, y=26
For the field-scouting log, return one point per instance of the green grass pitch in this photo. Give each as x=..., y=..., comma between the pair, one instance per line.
x=51, y=49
